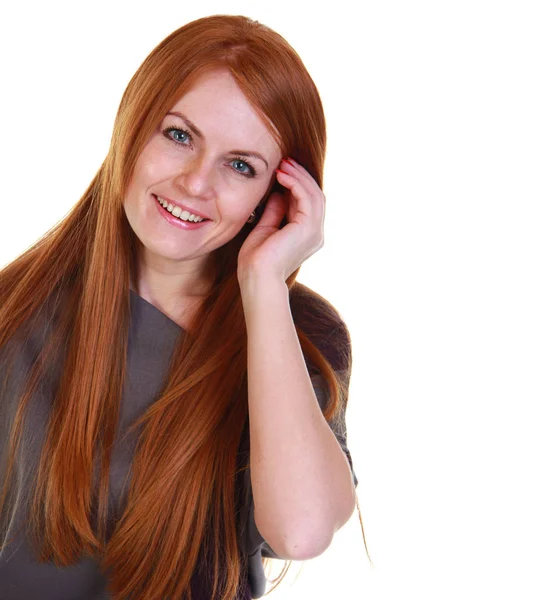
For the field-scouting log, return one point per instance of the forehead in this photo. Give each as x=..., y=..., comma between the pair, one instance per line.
x=218, y=108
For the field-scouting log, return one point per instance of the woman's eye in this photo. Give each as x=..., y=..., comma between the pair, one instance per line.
x=180, y=132
x=241, y=163
x=182, y=137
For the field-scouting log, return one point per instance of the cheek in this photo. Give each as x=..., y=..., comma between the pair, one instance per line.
x=237, y=207
x=155, y=163
x=155, y=169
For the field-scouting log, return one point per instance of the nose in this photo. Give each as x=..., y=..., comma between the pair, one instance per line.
x=195, y=176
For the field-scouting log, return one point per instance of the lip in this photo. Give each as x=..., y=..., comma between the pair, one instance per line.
x=183, y=207
x=174, y=220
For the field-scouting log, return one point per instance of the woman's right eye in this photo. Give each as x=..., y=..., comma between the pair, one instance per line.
x=180, y=131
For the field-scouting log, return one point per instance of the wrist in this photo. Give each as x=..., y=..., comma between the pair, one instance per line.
x=258, y=287
x=256, y=279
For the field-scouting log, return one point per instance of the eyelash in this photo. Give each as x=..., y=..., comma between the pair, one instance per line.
x=166, y=132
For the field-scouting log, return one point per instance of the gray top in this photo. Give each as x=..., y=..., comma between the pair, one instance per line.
x=152, y=336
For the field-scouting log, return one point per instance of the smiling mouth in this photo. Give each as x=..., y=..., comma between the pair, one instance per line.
x=178, y=212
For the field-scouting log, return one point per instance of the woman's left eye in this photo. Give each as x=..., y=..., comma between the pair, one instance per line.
x=250, y=172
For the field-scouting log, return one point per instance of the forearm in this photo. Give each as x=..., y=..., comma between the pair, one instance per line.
x=301, y=480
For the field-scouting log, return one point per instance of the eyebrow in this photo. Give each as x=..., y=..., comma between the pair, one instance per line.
x=200, y=135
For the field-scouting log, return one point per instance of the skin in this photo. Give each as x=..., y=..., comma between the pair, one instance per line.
x=174, y=264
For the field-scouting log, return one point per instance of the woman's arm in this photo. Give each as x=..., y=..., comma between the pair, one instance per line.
x=301, y=480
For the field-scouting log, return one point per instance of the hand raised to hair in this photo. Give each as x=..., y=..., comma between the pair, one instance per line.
x=271, y=251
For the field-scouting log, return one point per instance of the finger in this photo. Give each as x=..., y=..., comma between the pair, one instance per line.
x=311, y=205
x=303, y=199
x=314, y=194
x=274, y=211
x=293, y=168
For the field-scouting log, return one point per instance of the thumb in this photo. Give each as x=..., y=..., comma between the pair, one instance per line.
x=274, y=211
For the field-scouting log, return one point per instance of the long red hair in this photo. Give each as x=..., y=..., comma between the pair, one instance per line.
x=192, y=432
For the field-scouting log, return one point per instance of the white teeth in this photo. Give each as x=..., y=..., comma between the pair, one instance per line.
x=184, y=215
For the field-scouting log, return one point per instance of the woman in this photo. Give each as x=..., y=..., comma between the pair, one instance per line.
x=163, y=373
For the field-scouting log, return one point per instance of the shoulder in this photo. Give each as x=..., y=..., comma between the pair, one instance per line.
x=323, y=325
x=24, y=348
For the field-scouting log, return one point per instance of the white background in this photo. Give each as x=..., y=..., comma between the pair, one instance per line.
x=429, y=254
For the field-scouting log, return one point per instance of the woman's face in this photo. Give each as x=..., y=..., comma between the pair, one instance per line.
x=201, y=161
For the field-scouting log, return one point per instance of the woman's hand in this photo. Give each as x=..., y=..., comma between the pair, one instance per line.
x=279, y=252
